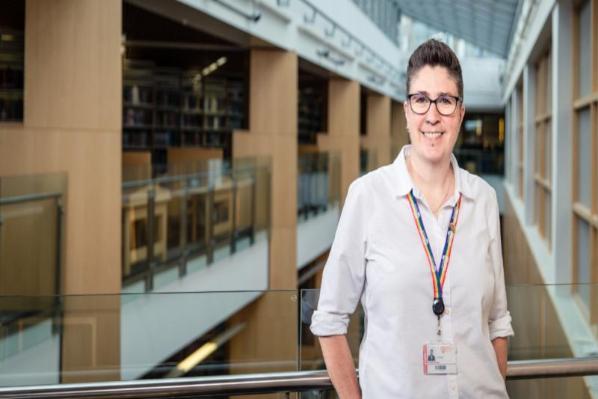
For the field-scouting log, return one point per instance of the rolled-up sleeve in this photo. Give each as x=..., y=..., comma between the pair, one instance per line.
x=499, y=321
x=344, y=273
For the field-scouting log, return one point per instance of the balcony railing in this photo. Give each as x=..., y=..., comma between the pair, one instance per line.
x=202, y=337
x=171, y=220
x=252, y=384
x=481, y=161
x=318, y=183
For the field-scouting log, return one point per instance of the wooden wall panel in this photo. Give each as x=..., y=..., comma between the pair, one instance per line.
x=399, y=136
x=72, y=125
x=538, y=332
x=270, y=332
x=72, y=61
x=378, y=132
x=343, y=129
x=273, y=134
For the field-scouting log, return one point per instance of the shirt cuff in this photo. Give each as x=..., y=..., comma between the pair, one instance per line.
x=325, y=324
x=501, y=327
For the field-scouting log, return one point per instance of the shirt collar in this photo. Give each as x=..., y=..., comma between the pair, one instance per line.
x=405, y=184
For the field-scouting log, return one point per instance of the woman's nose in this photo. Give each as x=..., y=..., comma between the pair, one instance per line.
x=432, y=116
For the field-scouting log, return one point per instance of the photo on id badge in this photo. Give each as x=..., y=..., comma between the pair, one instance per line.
x=440, y=358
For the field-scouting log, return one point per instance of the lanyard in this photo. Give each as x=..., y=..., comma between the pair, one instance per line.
x=438, y=274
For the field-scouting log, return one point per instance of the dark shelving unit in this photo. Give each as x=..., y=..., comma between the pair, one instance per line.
x=312, y=103
x=166, y=107
x=11, y=75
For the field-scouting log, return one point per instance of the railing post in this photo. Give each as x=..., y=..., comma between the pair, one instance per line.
x=253, y=207
x=183, y=230
x=210, y=227
x=151, y=209
x=58, y=271
x=233, y=233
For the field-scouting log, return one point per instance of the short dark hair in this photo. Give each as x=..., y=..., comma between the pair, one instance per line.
x=435, y=53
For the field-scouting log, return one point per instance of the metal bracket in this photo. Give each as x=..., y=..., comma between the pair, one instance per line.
x=326, y=54
x=330, y=32
x=252, y=17
x=310, y=19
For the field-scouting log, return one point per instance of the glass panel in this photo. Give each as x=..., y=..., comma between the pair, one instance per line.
x=198, y=214
x=133, y=336
x=318, y=183
x=368, y=160
x=585, y=49
x=583, y=260
x=31, y=234
x=584, y=158
x=310, y=355
x=29, y=341
x=111, y=338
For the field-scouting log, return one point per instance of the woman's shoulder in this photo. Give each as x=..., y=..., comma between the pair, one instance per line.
x=375, y=181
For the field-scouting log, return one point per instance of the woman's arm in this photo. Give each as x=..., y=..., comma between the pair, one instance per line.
x=339, y=363
x=500, y=348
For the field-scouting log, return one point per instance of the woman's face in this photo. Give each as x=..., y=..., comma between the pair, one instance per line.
x=432, y=134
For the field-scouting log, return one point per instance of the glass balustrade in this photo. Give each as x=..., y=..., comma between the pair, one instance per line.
x=31, y=235
x=190, y=218
x=191, y=334
x=481, y=161
x=318, y=183
x=368, y=160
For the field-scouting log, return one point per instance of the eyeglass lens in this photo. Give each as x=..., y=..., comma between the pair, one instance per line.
x=420, y=104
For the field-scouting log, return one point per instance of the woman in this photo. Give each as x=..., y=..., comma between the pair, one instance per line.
x=418, y=243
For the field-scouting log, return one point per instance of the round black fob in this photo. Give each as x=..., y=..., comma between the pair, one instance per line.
x=438, y=306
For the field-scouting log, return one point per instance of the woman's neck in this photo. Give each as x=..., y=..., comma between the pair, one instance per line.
x=434, y=180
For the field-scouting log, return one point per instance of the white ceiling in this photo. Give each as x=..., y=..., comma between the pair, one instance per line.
x=487, y=24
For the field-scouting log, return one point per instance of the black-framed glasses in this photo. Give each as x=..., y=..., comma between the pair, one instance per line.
x=445, y=104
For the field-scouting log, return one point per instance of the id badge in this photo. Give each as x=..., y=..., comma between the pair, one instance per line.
x=440, y=358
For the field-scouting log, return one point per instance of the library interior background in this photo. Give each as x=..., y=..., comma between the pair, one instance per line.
x=172, y=173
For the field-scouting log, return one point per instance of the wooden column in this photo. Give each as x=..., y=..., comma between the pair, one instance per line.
x=399, y=136
x=270, y=334
x=72, y=125
x=343, y=128
x=378, y=127
x=273, y=133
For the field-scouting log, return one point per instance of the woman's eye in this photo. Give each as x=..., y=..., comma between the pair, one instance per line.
x=445, y=100
x=420, y=99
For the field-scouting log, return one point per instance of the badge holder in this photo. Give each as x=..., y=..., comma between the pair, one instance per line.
x=440, y=358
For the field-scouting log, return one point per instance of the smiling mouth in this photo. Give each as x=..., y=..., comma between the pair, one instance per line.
x=432, y=135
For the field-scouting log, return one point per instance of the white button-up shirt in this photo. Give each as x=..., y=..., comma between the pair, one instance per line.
x=377, y=257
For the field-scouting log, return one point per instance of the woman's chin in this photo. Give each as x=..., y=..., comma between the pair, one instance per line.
x=434, y=155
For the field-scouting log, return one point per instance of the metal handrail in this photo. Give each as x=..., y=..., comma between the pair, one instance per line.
x=18, y=199
x=265, y=383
